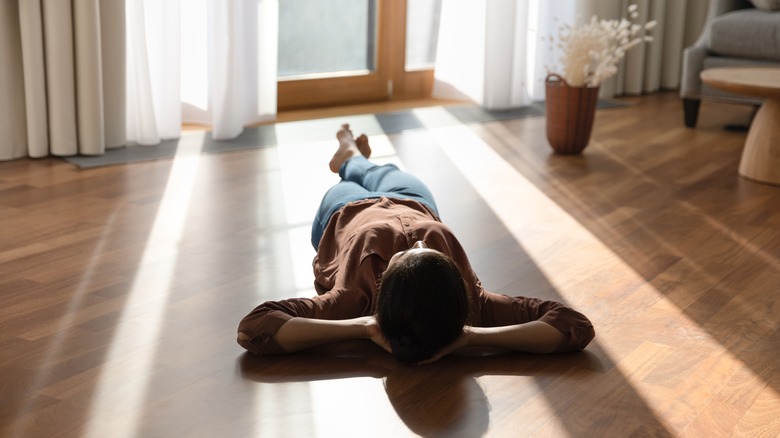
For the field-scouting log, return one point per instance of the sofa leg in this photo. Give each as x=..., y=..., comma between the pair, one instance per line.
x=691, y=110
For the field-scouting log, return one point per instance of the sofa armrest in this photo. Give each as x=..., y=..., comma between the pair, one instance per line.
x=693, y=56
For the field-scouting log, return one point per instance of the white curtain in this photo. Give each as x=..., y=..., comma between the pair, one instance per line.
x=153, y=41
x=210, y=62
x=501, y=61
x=57, y=81
x=504, y=57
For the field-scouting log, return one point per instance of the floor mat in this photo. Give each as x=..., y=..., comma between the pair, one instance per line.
x=201, y=142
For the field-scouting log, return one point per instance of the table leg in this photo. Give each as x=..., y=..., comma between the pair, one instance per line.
x=761, y=156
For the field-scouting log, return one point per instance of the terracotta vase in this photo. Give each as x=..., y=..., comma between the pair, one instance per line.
x=570, y=112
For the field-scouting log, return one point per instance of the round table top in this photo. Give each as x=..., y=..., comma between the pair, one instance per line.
x=752, y=81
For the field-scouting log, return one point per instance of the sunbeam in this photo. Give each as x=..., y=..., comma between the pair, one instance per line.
x=122, y=387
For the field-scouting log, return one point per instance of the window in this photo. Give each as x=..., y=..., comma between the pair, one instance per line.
x=353, y=51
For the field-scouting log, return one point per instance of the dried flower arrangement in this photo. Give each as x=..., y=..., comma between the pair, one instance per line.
x=591, y=52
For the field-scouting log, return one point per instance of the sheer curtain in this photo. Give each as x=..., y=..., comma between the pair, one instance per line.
x=210, y=62
x=502, y=59
x=496, y=53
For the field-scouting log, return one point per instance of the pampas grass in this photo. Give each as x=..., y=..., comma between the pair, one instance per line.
x=592, y=51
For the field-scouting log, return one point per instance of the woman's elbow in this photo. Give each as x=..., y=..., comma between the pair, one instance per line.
x=579, y=338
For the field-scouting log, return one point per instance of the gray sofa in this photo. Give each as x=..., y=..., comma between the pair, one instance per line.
x=735, y=34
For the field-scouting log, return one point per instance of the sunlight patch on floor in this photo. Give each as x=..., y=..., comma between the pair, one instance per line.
x=562, y=248
x=290, y=406
x=769, y=258
x=121, y=390
x=365, y=400
x=305, y=178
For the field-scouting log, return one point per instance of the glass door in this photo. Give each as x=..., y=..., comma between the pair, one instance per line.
x=331, y=52
x=337, y=52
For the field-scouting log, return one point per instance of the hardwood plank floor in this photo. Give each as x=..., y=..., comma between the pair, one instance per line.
x=122, y=286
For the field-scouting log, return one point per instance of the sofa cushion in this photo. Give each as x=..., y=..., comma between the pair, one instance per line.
x=747, y=33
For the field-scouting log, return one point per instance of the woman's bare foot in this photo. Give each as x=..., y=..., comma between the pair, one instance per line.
x=348, y=147
x=363, y=146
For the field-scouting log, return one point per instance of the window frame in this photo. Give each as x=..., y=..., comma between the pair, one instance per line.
x=389, y=80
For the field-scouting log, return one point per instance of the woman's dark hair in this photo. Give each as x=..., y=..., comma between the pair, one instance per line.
x=422, y=306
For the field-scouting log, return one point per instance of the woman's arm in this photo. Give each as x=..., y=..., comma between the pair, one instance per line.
x=530, y=337
x=499, y=310
x=257, y=332
x=302, y=333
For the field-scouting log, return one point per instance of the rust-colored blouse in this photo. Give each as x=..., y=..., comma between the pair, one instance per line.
x=355, y=248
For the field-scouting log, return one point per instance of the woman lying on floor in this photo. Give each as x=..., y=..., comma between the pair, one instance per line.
x=387, y=269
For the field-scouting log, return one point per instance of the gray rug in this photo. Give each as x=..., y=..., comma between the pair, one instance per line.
x=201, y=142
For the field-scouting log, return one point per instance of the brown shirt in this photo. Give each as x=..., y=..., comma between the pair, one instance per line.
x=355, y=248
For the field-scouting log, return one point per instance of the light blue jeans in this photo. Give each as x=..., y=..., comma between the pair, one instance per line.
x=362, y=179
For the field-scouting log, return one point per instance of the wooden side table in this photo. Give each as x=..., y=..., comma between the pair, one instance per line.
x=761, y=156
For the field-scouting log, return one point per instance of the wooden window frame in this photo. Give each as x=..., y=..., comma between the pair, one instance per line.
x=389, y=80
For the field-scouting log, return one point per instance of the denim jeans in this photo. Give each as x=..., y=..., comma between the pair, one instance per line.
x=362, y=179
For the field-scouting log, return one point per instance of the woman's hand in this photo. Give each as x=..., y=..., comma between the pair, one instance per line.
x=461, y=342
x=374, y=333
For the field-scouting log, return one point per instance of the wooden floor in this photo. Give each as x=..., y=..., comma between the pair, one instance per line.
x=121, y=288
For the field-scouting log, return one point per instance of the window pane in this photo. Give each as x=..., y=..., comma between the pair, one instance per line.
x=317, y=36
x=422, y=30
